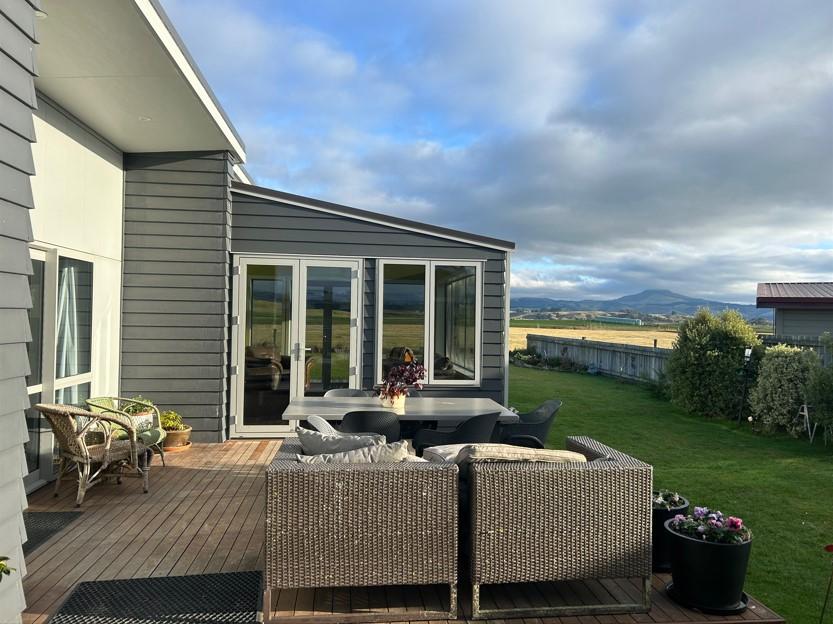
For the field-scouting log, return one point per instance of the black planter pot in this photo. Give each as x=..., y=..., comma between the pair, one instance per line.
x=660, y=558
x=707, y=576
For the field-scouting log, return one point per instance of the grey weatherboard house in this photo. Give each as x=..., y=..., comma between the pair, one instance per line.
x=137, y=257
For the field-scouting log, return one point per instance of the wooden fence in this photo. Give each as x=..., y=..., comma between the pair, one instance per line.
x=609, y=358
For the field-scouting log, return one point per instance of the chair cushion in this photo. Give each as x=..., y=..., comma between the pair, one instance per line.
x=394, y=452
x=468, y=453
x=152, y=436
x=316, y=443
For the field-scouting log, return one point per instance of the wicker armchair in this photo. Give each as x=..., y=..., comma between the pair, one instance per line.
x=152, y=435
x=71, y=427
x=359, y=525
x=539, y=522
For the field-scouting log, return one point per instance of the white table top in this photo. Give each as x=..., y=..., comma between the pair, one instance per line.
x=441, y=409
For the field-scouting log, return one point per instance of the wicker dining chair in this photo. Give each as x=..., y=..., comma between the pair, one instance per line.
x=72, y=426
x=151, y=436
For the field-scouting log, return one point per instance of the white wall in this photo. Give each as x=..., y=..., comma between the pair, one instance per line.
x=78, y=190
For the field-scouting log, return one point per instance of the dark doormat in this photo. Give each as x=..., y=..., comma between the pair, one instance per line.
x=41, y=525
x=199, y=599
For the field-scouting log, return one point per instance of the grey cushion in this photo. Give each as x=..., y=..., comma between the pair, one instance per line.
x=316, y=443
x=379, y=454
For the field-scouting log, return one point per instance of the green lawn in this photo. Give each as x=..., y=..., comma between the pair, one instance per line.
x=782, y=488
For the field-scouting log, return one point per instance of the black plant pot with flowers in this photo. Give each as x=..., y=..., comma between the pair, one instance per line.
x=666, y=506
x=709, y=575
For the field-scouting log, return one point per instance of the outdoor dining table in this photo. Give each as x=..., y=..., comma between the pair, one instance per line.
x=447, y=412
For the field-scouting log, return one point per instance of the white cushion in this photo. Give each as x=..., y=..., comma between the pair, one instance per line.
x=468, y=453
x=316, y=443
x=444, y=453
x=394, y=452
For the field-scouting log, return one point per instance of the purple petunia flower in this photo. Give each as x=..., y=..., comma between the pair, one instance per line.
x=700, y=512
x=679, y=518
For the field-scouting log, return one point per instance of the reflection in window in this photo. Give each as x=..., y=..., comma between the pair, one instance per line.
x=73, y=395
x=33, y=424
x=327, y=337
x=403, y=315
x=35, y=347
x=74, y=317
x=455, y=309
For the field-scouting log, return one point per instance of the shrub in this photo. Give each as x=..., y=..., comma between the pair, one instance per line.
x=526, y=356
x=820, y=393
x=781, y=388
x=171, y=421
x=707, y=361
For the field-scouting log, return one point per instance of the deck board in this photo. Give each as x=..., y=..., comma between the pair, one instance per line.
x=205, y=513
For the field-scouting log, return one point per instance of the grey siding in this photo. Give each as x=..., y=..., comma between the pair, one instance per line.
x=803, y=322
x=17, y=101
x=266, y=226
x=175, y=302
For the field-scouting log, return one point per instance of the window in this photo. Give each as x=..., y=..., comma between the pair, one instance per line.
x=74, y=317
x=455, y=314
x=430, y=311
x=60, y=362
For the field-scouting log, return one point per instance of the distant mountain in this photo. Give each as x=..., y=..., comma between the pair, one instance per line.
x=646, y=302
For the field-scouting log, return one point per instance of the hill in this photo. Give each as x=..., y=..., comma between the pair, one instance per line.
x=646, y=302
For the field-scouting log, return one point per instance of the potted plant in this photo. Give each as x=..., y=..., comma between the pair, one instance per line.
x=709, y=556
x=398, y=382
x=141, y=411
x=5, y=570
x=177, y=433
x=666, y=505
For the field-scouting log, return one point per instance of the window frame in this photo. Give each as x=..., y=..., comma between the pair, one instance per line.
x=50, y=383
x=430, y=313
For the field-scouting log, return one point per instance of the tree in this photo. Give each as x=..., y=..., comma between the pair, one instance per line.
x=705, y=368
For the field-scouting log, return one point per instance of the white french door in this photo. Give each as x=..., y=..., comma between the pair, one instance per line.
x=295, y=333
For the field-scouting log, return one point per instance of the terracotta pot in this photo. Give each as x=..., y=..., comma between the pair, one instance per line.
x=177, y=439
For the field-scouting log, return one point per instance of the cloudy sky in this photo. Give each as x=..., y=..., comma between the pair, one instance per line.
x=622, y=146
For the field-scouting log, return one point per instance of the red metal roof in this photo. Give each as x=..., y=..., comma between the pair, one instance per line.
x=803, y=294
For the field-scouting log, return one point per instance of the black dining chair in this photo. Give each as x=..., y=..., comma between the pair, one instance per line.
x=536, y=423
x=477, y=429
x=348, y=392
x=371, y=421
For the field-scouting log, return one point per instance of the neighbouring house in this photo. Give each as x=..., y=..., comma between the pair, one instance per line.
x=137, y=257
x=802, y=309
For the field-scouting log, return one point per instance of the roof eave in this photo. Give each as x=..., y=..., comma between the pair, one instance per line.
x=374, y=217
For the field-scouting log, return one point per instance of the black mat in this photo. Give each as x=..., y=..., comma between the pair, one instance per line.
x=41, y=525
x=200, y=599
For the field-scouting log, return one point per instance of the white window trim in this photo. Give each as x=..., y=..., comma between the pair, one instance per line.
x=430, y=266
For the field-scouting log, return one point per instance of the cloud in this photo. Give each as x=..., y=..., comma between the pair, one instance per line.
x=621, y=146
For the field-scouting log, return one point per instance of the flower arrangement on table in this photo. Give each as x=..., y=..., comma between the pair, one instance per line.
x=711, y=526
x=399, y=380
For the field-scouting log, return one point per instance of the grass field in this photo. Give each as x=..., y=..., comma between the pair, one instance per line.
x=619, y=334
x=781, y=487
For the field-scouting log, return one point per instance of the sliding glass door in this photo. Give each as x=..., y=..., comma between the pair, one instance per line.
x=295, y=334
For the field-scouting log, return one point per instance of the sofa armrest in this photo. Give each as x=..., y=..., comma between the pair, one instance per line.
x=547, y=522
x=331, y=525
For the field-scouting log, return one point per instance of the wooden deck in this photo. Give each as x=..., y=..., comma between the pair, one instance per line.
x=204, y=513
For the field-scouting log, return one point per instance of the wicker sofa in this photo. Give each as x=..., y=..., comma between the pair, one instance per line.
x=347, y=525
x=537, y=522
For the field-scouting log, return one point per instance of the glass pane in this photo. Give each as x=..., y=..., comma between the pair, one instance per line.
x=75, y=317
x=403, y=315
x=33, y=424
x=268, y=348
x=35, y=347
x=327, y=335
x=455, y=289
x=73, y=395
